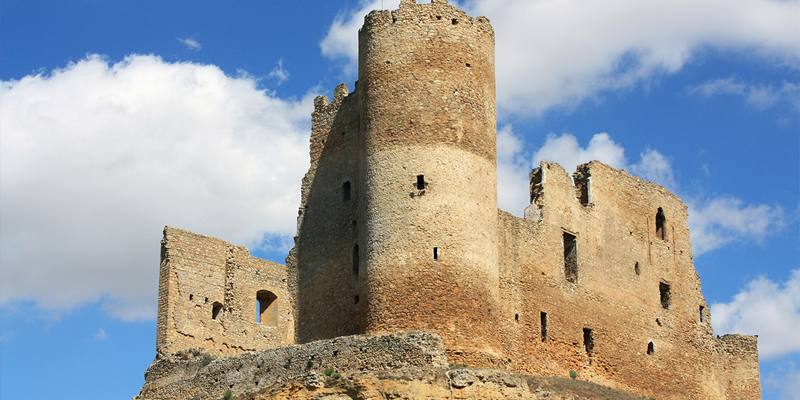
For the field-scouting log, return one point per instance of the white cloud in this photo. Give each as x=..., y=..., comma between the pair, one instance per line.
x=656, y=167
x=101, y=335
x=783, y=381
x=565, y=150
x=765, y=308
x=760, y=96
x=278, y=73
x=512, y=172
x=722, y=220
x=561, y=52
x=191, y=43
x=96, y=158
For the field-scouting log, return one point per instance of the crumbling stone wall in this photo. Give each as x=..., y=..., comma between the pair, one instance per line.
x=615, y=323
x=207, y=297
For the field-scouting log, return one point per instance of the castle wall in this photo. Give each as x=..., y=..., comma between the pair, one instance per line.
x=614, y=223
x=427, y=93
x=737, y=366
x=208, y=297
x=322, y=261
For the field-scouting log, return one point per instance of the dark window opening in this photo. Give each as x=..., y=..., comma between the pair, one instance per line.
x=356, y=299
x=346, y=192
x=454, y=21
x=664, y=291
x=435, y=254
x=570, y=257
x=637, y=269
x=651, y=348
x=438, y=17
x=516, y=317
x=420, y=182
x=661, y=230
x=702, y=314
x=216, y=309
x=469, y=65
x=588, y=341
x=205, y=301
x=266, y=312
x=191, y=297
x=356, y=260
x=543, y=323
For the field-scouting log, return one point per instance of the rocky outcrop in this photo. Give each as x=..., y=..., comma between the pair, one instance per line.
x=398, y=366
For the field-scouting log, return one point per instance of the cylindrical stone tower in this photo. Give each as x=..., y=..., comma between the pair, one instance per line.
x=428, y=173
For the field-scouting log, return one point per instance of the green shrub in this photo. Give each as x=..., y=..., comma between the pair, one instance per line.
x=573, y=374
x=228, y=395
x=329, y=371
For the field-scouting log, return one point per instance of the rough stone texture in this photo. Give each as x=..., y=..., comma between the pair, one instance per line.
x=198, y=272
x=398, y=366
x=604, y=258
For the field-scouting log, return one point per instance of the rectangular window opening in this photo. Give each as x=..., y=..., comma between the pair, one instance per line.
x=346, y=191
x=435, y=254
x=702, y=314
x=588, y=341
x=570, y=257
x=665, y=295
x=420, y=182
x=543, y=323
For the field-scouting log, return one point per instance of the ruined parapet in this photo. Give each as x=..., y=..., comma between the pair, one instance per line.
x=737, y=366
x=216, y=297
x=429, y=199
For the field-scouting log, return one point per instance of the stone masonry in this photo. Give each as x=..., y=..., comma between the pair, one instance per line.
x=399, y=230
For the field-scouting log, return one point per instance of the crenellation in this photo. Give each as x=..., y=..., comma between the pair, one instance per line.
x=398, y=230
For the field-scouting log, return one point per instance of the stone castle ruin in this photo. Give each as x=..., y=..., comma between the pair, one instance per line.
x=398, y=230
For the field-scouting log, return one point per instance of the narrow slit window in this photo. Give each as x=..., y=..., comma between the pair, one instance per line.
x=651, y=348
x=435, y=254
x=665, y=295
x=516, y=317
x=543, y=323
x=661, y=230
x=637, y=269
x=266, y=312
x=420, y=182
x=356, y=260
x=570, y=257
x=346, y=191
x=216, y=309
x=702, y=314
x=588, y=341
x=356, y=299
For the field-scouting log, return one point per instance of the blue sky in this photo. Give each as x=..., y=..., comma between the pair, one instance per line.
x=117, y=118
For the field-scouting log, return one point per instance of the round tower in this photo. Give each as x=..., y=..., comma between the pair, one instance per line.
x=428, y=162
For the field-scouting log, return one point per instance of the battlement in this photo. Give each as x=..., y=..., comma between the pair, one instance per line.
x=437, y=11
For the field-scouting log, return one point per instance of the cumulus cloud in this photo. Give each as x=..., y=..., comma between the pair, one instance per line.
x=722, y=220
x=761, y=96
x=191, y=43
x=765, y=308
x=561, y=52
x=512, y=172
x=565, y=150
x=97, y=157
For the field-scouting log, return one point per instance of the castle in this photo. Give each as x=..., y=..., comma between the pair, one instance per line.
x=399, y=230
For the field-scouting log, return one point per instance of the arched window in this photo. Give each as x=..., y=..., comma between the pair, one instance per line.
x=216, y=309
x=266, y=311
x=661, y=228
x=651, y=348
